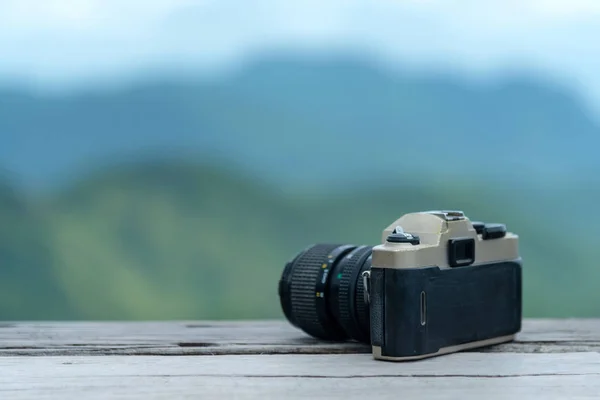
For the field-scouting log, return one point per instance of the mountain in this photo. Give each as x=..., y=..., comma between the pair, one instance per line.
x=300, y=121
x=29, y=286
x=176, y=240
x=184, y=199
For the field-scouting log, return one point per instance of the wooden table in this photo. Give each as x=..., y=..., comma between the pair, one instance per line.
x=551, y=359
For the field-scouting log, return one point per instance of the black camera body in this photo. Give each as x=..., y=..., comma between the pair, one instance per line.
x=438, y=283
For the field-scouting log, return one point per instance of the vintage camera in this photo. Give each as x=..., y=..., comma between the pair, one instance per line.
x=437, y=284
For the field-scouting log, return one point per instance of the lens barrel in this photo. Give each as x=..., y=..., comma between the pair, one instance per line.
x=322, y=293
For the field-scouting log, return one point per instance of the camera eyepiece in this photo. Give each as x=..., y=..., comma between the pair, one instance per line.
x=322, y=292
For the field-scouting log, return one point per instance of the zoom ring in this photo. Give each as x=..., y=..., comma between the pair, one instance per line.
x=350, y=275
x=305, y=274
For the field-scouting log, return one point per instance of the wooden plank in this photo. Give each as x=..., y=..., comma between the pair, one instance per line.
x=461, y=375
x=168, y=388
x=250, y=337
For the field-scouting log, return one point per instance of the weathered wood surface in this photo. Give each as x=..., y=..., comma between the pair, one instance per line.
x=252, y=337
x=270, y=359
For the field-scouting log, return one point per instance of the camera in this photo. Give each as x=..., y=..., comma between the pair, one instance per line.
x=438, y=283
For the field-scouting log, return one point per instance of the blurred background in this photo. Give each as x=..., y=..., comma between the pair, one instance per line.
x=163, y=159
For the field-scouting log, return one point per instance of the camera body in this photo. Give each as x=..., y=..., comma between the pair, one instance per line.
x=439, y=283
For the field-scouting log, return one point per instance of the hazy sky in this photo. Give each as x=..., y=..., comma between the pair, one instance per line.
x=64, y=42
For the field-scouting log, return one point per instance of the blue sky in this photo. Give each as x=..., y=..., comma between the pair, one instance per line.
x=61, y=43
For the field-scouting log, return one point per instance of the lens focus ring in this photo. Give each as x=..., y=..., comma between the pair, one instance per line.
x=349, y=294
x=303, y=280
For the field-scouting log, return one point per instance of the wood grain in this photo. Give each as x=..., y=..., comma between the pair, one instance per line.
x=251, y=337
x=461, y=375
x=551, y=359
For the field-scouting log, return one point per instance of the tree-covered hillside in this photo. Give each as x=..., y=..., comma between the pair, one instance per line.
x=282, y=154
x=29, y=285
x=170, y=240
x=301, y=120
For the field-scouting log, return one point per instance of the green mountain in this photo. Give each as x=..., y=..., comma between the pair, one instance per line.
x=294, y=151
x=301, y=121
x=29, y=285
x=172, y=240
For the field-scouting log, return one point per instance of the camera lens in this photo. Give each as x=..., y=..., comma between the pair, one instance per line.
x=321, y=292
